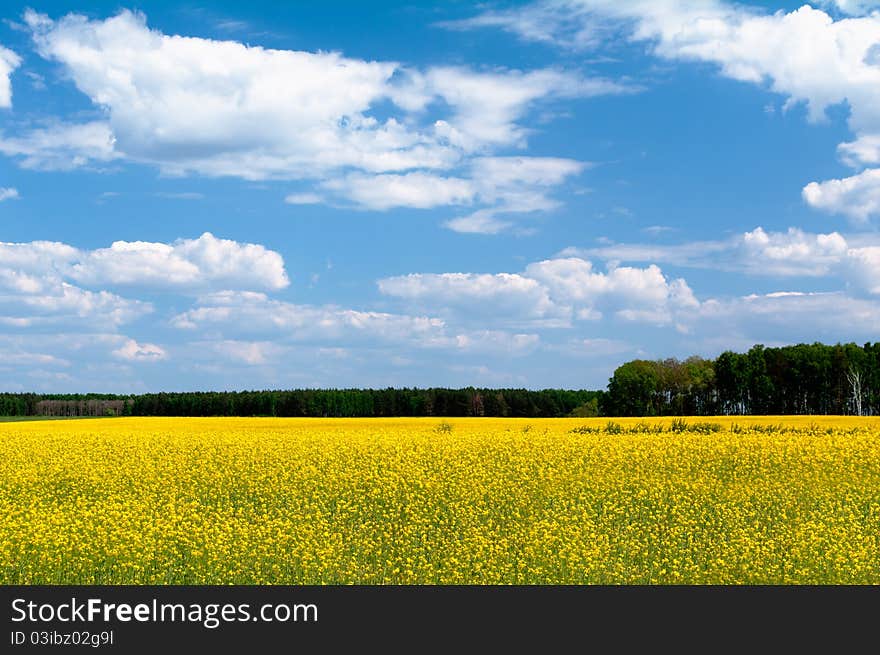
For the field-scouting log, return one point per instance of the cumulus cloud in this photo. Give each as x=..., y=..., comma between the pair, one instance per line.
x=418, y=190
x=28, y=301
x=549, y=293
x=501, y=295
x=221, y=108
x=857, y=197
x=51, y=283
x=62, y=146
x=746, y=43
x=513, y=185
x=482, y=221
x=863, y=267
x=486, y=106
x=133, y=351
x=696, y=254
x=252, y=328
x=63, y=361
x=646, y=295
x=186, y=263
x=863, y=151
x=568, y=24
x=853, y=7
x=481, y=342
x=251, y=313
x=586, y=303
x=574, y=279
x=793, y=253
x=251, y=353
x=34, y=291
x=9, y=61
x=492, y=186
x=8, y=193
x=495, y=342
x=786, y=317
x=189, y=265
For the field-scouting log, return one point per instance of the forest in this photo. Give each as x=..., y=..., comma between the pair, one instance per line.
x=800, y=379
x=311, y=402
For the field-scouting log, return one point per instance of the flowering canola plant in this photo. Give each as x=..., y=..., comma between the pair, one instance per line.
x=479, y=501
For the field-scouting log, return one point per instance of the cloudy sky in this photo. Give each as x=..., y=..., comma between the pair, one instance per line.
x=239, y=195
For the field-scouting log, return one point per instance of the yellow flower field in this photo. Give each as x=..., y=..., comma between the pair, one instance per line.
x=177, y=501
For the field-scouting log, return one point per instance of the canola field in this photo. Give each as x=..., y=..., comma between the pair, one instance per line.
x=414, y=501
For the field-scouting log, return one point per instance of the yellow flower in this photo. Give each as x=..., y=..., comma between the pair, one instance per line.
x=376, y=501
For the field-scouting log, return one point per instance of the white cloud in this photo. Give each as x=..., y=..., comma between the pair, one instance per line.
x=44, y=283
x=250, y=313
x=548, y=293
x=750, y=45
x=853, y=7
x=486, y=106
x=574, y=280
x=638, y=294
x=418, y=190
x=495, y=185
x=500, y=185
x=568, y=292
x=28, y=301
x=221, y=108
x=803, y=54
x=303, y=198
x=863, y=266
x=191, y=264
x=9, y=61
x=62, y=146
x=495, y=341
x=498, y=295
x=252, y=353
x=506, y=172
x=513, y=185
x=863, y=151
x=485, y=342
x=35, y=256
x=482, y=221
x=8, y=193
x=254, y=329
x=793, y=253
x=697, y=254
x=786, y=317
x=63, y=361
x=563, y=23
x=857, y=197
x=133, y=351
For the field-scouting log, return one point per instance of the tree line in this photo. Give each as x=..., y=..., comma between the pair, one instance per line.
x=801, y=379
x=312, y=402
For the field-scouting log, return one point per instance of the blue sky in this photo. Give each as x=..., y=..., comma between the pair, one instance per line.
x=234, y=195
